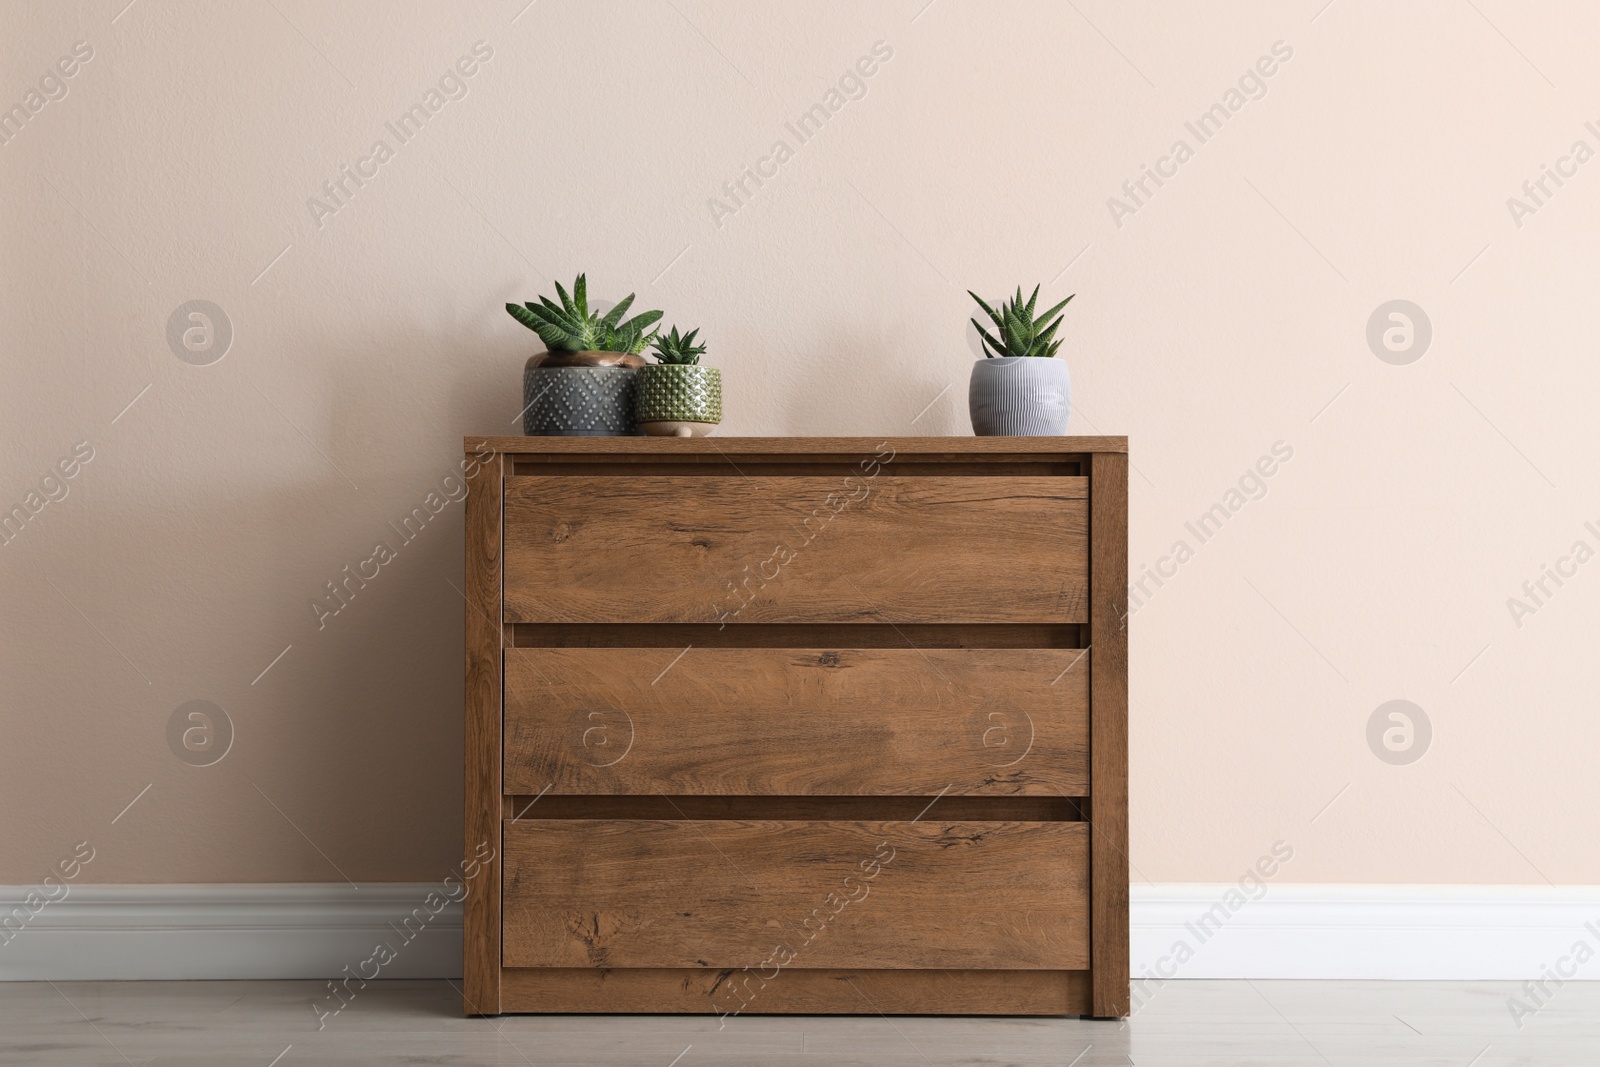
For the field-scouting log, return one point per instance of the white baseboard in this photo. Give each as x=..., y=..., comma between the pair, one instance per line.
x=1292, y=931
x=1417, y=932
x=269, y=930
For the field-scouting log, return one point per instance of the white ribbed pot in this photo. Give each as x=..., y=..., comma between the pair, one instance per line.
x=1020, y=396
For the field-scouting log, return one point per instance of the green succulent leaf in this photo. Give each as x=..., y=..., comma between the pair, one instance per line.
x=614, y=316
x=553, y=333
x=993, y=314
x=641, y=321
x=671, y=348
x=990, y=345
x=569, y=326
x=553, y=312
x=1018, y=330
x=1053, y=311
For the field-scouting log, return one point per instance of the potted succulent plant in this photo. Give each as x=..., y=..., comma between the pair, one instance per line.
x=1019, y=389
x=677, y=397
x=582, y=386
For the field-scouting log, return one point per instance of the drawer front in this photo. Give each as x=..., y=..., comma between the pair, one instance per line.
x=587, y=549
x=797, y=722
x=647, y=893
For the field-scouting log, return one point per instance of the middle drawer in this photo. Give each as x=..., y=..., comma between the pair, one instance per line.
x=797, y=722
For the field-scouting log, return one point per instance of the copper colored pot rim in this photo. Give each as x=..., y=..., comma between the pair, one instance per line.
x=585, y=359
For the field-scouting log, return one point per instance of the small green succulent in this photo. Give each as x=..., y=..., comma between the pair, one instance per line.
x=1021, y=333
x=570, y=326
x=670, y=348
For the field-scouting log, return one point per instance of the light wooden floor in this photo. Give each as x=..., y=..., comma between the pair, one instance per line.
x=1281, y=1024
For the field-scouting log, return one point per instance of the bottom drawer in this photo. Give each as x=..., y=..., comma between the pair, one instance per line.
x=811, y=894
x=795, y=991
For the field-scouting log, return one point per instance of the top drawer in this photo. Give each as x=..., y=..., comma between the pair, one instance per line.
x=926, y=548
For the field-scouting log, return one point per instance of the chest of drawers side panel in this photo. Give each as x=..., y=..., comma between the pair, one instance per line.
x=482, y=738
x=1108, y=733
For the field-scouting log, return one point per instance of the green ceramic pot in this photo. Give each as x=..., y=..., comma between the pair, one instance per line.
x=677, y=400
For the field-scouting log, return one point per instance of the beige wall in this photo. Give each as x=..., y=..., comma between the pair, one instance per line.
x=1224, y=314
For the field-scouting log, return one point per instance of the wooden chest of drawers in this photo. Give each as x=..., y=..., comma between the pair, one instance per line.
x=796, y=725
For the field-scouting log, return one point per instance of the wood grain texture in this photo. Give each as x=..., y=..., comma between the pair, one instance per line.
x=779, y=768
x=797, y=722
x=1074, y=466
x=482, y=744
x=956, y=448
x=678, y=636
x=807, y=550
x=597, y=893
x=519, y=806
x=1108, y=792
x=796, y=991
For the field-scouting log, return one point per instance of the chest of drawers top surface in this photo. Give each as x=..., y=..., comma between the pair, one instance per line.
x=668, y=447
x=712, y=682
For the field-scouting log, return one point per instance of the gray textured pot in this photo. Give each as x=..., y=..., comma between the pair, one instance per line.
x=1019, y=396
x=578, y=401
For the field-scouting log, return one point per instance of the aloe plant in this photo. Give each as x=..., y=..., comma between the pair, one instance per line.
x=571, y=327
x=1021, y=332
x=670, y=348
